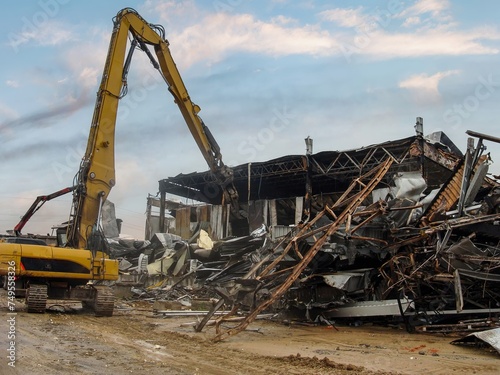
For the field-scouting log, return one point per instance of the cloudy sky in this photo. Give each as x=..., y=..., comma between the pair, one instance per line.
x=266, y=74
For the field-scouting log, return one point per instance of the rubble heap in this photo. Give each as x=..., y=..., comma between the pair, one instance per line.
x=426, y=256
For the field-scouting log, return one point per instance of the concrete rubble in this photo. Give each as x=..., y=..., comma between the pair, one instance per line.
x=391, y=247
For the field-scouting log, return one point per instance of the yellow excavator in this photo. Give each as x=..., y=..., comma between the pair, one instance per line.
x=77, y=267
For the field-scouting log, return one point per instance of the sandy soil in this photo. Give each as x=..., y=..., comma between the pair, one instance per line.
x=136, y=341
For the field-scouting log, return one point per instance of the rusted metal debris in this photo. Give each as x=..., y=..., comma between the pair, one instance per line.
x=426, y=255
x=353, y=203
x=460, y=328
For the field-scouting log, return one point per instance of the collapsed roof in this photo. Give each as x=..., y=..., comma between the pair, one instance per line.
x=327, y=172
x=366, y=235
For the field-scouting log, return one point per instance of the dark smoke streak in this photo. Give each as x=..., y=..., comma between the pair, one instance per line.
x=40, y=119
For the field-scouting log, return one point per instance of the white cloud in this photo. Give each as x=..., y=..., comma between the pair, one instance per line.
x=243, y=33
x=230, y=33
x=88, y=76
x=12, y=83
x=84, y=63
x=346, y=17
x=282, y=20
x=412, y=21
x=172, y=12
x=48, y=33
x=365, y=35
x=427, y=14
x=74, y=76
x=438, y=34
x=426, y=87
x=434, y=7
x=436, y=42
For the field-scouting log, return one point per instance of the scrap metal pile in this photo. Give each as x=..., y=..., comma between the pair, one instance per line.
x=421, y=255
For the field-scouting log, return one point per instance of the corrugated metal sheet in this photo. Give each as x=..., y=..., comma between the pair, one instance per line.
x=278, y=231
x=491, y=336
x=448, y=196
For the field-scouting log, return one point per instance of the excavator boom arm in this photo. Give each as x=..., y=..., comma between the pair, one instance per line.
x=96, y=175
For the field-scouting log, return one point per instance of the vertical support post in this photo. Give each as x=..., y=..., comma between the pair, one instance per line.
x=306, y=211
x=147, y=229
x=163, y=197
x=249, y=182
x=419, y=130
x=468, y=168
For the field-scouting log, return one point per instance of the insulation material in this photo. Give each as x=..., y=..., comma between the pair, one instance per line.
x=204, y=241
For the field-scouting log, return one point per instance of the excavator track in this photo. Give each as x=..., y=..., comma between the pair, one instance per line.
x=36, y=298
x=104, y=301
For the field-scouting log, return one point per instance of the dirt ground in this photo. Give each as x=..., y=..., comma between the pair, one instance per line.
x=136, y=341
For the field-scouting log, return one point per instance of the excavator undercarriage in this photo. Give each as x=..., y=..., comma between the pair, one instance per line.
x=98, y=298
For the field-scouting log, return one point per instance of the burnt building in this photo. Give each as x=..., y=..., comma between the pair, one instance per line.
x=406, y=227
x=285, y=191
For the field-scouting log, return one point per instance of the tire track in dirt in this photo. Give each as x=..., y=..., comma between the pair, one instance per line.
x=135, y=341
x=203, y=357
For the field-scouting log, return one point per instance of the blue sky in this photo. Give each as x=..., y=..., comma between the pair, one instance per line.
x=266, y=74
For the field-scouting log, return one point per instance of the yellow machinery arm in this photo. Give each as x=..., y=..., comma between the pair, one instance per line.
x=96, y=175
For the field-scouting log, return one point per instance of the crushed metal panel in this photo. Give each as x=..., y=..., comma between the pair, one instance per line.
x=491, y=337
x=458, y=291
x=409, y=185
x=387, y=307
x=447, y=196
x=279, y=231
x=441, y=157
x=397, y=214
x=165, y=240
x=463, y=248
x=161, y=266
x=349, y=281
x=486, y=276
x=440, y=138
x=477, y=180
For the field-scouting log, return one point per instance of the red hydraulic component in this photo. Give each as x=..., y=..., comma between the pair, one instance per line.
x=37, y=204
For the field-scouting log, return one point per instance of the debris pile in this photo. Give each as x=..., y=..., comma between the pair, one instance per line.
x=428, y=256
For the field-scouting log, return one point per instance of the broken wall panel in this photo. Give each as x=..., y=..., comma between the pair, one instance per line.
x=256, y=214
x=218, y=222
x=183, y=222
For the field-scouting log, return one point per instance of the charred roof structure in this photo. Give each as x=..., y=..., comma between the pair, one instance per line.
x=328, y=172
x=322, y=177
